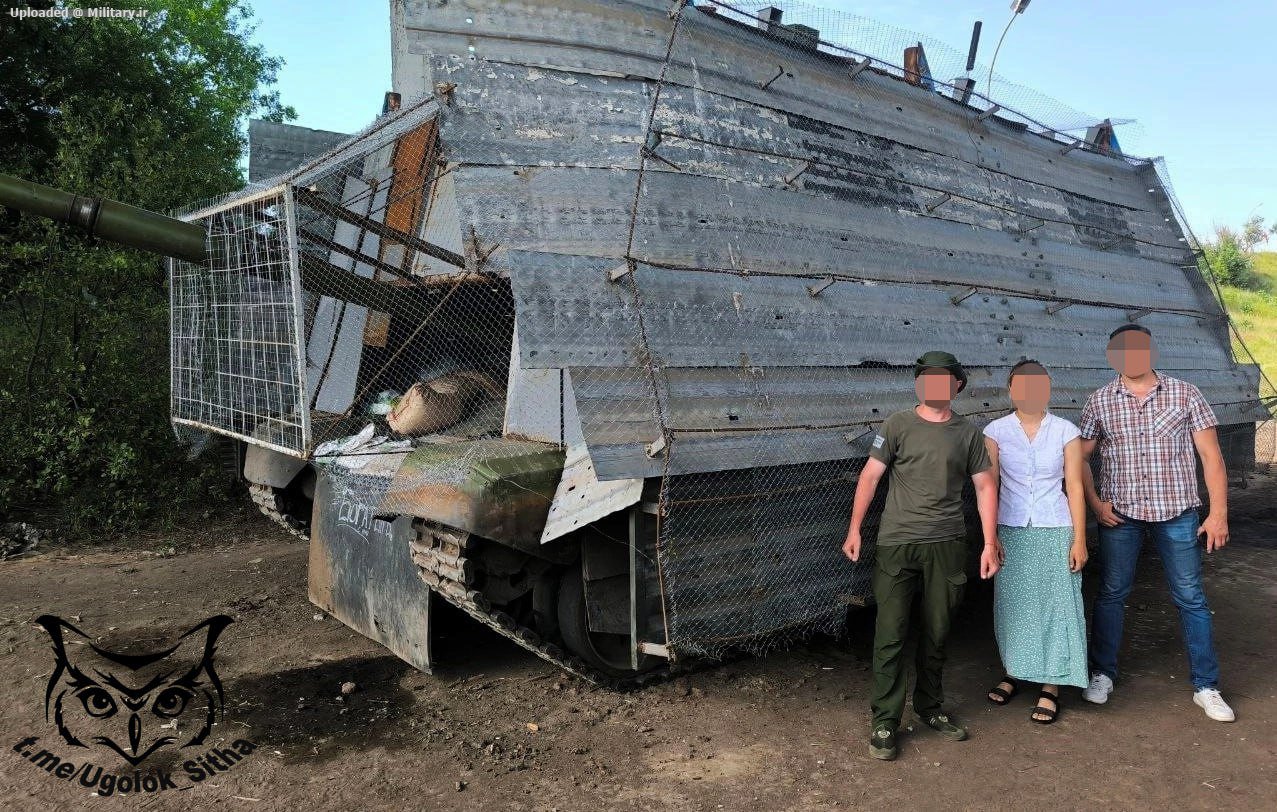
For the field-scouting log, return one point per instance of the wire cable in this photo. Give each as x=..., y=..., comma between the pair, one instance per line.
x=988, y=83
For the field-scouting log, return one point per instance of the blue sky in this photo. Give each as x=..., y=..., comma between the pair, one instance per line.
x=1196, y=76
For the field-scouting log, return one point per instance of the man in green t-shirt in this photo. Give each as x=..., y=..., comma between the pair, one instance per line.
x=930, y=453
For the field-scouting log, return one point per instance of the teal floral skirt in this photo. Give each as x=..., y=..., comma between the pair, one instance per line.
x=1037, y=607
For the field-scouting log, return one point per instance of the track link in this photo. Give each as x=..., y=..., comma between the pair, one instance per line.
x=267, y=502
x=441, y=556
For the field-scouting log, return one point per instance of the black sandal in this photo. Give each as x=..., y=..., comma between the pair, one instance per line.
x=1004, y=696
x=1049, y=713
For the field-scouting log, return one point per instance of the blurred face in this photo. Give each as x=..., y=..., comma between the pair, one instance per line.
x=1031, y=389
x=936, y=387
x=1132, y=353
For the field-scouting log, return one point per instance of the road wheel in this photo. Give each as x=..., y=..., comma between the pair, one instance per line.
x=607, y=652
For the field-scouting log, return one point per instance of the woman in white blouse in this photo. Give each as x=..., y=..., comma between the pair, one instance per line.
x=1037, y=603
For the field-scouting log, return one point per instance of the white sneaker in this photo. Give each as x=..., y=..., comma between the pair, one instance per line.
x=1100, y=688
x=1210, y=700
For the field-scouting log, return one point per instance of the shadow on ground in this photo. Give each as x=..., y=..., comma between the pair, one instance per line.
x=303, y=713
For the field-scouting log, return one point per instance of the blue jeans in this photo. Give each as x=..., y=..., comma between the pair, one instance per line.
x=1177, y=544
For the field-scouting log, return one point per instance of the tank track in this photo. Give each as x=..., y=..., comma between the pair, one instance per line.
x=440, y=554
x=268, y=503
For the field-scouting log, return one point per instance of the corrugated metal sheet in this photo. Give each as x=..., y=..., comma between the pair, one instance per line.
x=756, y=371
x=275, y=148
x=693, y=221
x=553, y=117
x=616, y=38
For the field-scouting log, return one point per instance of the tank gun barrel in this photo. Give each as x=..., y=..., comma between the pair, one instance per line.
x=108, y=219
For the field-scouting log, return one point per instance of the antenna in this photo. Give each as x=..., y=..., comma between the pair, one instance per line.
x=975, y=43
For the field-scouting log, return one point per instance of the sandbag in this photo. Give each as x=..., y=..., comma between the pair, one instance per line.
x=431, y=406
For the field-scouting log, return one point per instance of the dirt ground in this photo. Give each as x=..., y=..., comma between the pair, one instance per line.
x=496, y=728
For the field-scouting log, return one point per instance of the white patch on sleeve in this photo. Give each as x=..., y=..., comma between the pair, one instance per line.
x=879, y=440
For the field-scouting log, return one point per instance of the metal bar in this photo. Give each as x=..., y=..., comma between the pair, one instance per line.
x=316, y=201
x=851, y=438
x=634, y=641
x=793, y=176
x=814, y=290
x=354, y=254
x=480, y=256
x=325, y=279
x=961, y=297
x=1027, y=229
x=655, y=649
x=283, y=449
x=232, y=203
x=654, y=448
x=945, y=198
x=987, y=113
x=779, y=73
x=1066, y=150
x=621, y=270
x=1136, y=315
x=859, y=68
x=299, y=324
x=1058, y=306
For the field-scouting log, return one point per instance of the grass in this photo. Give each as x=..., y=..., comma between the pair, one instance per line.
x=1255, y=312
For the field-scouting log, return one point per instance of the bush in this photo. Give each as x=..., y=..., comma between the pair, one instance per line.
x=1229, y=261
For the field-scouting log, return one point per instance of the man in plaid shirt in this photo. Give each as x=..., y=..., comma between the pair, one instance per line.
x=1147, y=425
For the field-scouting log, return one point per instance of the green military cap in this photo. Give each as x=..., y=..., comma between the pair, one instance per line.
x=938, y=359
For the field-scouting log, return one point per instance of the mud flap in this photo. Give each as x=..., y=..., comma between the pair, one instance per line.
x=362, y=574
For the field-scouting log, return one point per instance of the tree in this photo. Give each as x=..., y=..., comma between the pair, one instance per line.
x=1253, y=233
x=146, y=111
x=1228, y=259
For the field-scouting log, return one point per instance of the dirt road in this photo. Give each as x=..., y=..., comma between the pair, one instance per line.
x=495, y=728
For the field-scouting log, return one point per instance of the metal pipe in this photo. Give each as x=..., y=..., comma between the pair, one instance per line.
x=108, y=219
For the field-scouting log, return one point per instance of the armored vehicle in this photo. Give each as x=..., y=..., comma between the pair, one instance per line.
x=590, y=335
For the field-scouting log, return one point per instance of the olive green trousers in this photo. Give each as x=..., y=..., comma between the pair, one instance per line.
x=937, y=572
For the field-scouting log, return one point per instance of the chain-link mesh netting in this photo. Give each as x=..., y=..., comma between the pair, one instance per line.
x=697, y=248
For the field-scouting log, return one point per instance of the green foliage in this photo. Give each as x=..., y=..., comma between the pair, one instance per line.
x=1255, y=314
x=1232, y=256
x=148, y=112
x=1229, y=260
x=1264, y=263
x=1255, y=311
x=1253, y=233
